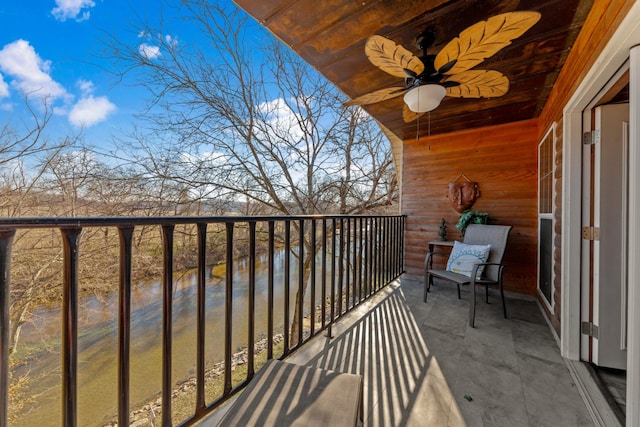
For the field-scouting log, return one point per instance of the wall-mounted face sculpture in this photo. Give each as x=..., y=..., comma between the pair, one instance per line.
x=462, y=194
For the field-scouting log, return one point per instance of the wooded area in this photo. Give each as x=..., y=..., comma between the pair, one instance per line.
x=254, y=132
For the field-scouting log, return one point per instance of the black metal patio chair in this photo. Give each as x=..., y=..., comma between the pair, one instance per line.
x=468, y=266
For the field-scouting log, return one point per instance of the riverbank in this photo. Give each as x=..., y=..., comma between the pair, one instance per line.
x=184, y=394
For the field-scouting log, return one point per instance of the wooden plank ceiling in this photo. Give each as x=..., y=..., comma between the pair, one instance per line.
x=331, y=34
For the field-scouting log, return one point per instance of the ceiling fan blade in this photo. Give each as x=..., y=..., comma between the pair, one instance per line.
x=446, y=67
x=484, y=39
x=410, y=73
x=408, y=116
x=478, y=84
x=391, y=57
x=377, y=96
x=449, y=83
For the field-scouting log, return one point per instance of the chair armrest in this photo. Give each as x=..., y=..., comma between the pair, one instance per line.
x=428, y=259
x=474, y=272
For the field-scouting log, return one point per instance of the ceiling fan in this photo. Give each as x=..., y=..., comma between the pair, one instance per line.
x=429, y=78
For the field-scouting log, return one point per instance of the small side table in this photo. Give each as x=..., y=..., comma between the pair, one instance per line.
x=433, y=243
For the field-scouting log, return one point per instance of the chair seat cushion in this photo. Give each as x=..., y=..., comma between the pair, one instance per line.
x=463, y=257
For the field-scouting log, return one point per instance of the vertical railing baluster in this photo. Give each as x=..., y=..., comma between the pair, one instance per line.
x=385, y=250
x=228, y=315
x=360, y=257
x=333, y=272
x=301, y=283
x=374, y=254
x=312, y=237
x=6, y=243
x=392, y=257
x=379, y=246
x=382, y=249
x=402, y=227
x=271, y=272
x=287, y=282
x=125, y=233
x=389, y=247
x=372, y=257
x=396, y=235
x=392, y=249
x=398, y=240
x=347, y=247
x=367, y=256
x=356, y=261
x=201, y=320
x=251, y=315
x=70, y=239
x=167, y=321
x=341, y=267
x=323, y=279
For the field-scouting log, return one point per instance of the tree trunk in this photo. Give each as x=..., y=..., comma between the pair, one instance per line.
x=295, y=325
x=16, y=326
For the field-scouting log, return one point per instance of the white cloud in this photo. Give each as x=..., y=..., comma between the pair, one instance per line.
x=86, y=86
x=170, y=40
x=30, y=73
x=4, y=88
x=281, y=119
x=90, y=110
x=25, y=70
x=72, y=9
x=149, y=51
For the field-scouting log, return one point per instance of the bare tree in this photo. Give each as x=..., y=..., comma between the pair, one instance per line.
x=246, y=118
x=23, y=152
x=16, y=144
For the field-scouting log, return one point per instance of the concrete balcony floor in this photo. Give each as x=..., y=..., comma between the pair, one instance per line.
x=423, y=365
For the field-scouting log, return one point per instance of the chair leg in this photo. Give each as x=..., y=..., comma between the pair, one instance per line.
x=458, y=284
x=504, y=307
x=486, y=293
x=428, y=280
x=472, y=306
x=426, y=285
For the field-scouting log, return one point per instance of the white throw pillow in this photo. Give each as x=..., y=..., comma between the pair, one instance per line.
x=463, y=257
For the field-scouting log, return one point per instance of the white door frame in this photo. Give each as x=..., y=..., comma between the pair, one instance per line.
x=633, y=317
x=610, y=60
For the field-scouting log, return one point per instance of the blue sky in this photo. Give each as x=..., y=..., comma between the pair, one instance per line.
x=57, y=49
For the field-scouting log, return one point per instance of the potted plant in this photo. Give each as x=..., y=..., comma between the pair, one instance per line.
x=471, y=217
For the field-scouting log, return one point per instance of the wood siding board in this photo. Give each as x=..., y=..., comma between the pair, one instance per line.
x=503, y=160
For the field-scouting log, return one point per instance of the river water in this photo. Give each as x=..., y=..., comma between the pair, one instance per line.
x=98, y=341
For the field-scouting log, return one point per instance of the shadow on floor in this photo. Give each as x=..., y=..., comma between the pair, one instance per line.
x=423, y=365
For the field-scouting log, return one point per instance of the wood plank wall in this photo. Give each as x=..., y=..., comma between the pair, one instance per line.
x=503, y=160
x=603, y=19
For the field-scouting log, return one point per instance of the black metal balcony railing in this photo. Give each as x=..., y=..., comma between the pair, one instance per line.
x=355, y=257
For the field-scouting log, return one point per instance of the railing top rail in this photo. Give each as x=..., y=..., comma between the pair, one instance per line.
x=46, y=222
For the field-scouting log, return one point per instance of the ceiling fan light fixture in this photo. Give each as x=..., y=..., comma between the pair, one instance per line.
x=424, y=98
